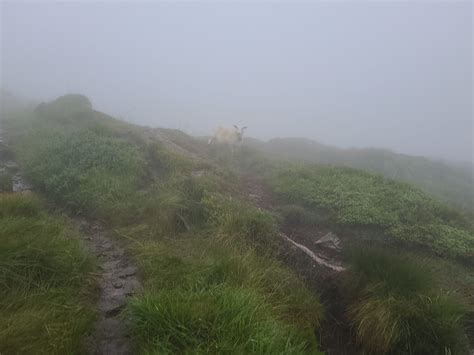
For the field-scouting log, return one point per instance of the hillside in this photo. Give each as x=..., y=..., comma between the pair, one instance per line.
x=451, y=182
x=193, y=250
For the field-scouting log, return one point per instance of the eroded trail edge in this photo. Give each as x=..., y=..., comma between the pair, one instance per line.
x=118, y=280
x=261, y=196
x=318, y=259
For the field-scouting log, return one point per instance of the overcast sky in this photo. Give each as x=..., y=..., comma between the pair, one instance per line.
x=354, y=74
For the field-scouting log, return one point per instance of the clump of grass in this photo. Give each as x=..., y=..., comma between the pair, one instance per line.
x=5, y=182
x=16, y=206
x=396, y=306
x=175, y=205
x=298, y=215
x=215, y=320
x=45, y=282
x=209, y=294
x=232, y=217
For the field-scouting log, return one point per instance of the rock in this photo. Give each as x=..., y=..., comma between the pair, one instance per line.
x=19, y=184
x=131, y=286
x=113, y=306
x=118, y=283
x=128, y=271
x=197, y=173
x=11, y=165
x=329, y=240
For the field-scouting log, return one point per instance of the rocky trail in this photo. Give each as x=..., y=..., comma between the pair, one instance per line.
x=117, y=277
x=117, y=281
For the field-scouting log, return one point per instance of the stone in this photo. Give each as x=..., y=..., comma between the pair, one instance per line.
x=329, y=240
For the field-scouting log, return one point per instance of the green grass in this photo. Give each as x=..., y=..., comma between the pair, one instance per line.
x=242, y=220
x=397, y=307
x=89, y=171
x=355, y=199
x=214, y=269
x=214, y=295
x=211, y=282
x=5, y=182
x=449, y=181
x=216, y=320
x=45, y=281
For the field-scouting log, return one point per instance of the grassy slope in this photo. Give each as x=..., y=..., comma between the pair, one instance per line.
x=397, y=300
x=205, y=287
x=449, y=182
x=355, y=199
x=208, y=285
x=45, y=282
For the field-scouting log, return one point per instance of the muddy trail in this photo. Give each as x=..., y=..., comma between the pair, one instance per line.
x=117, y=281
x=117, y=276
x=315, y=253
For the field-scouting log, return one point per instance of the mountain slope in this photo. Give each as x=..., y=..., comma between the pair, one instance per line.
x=451, y=182
x=217, y=275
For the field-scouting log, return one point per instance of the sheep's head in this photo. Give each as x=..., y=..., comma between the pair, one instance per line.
x=240, y=133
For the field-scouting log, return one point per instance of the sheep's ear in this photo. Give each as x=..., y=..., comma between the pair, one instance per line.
x=237, y=128
x=244, y=127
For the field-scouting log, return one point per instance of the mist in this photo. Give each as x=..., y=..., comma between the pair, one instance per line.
x=396, y=75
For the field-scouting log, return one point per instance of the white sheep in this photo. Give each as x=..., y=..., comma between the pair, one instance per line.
x=232, y=137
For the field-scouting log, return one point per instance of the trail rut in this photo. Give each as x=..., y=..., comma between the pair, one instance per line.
x=118, y=280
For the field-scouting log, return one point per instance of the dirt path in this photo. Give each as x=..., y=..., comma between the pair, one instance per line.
x=117, y=279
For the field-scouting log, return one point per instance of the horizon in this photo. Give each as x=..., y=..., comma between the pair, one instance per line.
x=389, y=75
x=264, y=140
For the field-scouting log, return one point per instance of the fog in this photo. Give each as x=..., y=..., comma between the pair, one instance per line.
x=395, y=74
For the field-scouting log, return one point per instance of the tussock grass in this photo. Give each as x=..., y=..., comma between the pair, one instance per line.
x=5, y=182
x=45, y=282
x=232, y=217
x=212, y=295
x=295, y=214
x=396, y=306
x=215, y=320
